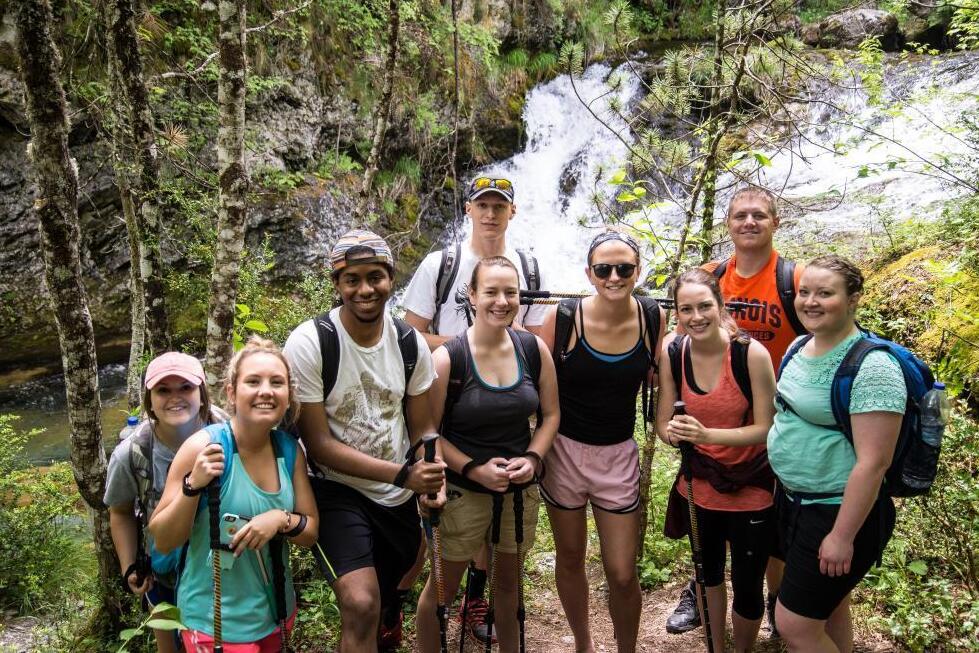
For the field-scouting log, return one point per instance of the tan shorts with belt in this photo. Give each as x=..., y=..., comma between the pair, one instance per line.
x=468, y=516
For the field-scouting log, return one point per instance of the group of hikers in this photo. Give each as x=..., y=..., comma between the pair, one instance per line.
x=530, y=402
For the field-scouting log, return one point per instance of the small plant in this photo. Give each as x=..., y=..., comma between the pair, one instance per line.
x=163, y=617
x=244, y=325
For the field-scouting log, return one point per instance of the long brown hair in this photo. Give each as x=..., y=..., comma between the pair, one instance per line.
x=699, y=276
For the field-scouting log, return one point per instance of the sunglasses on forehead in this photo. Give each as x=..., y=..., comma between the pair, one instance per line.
x=604, y=270
x=481, y=183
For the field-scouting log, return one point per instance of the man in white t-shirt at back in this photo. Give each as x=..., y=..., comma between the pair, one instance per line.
x=357, y=433
x=489, y=204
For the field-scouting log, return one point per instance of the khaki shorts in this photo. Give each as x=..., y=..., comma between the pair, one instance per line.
x=468, y=515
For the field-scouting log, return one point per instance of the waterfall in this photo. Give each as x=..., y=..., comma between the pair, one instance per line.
x=836, y=178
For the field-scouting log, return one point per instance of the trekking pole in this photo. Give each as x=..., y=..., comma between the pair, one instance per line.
x=518, y=533
x=435, y=546
x=528, y=297
x=213, y=509
x=470, y=572
x=686, y=451
x=277, y=546
x=494, y=554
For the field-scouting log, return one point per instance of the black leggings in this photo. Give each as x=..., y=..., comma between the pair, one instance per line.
x=751, y=535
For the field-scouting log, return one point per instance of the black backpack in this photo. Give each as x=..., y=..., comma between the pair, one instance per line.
x=330, y=351
x=449, y=270
x=784, y=284
x=566, y=309
x=459, y=368
x=739, y=367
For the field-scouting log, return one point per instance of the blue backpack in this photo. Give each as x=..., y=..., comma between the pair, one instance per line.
x=917, y=377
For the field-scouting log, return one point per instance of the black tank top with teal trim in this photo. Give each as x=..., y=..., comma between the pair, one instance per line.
x=489, y=421
x=598, y=390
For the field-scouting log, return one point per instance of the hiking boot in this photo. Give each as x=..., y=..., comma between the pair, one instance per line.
x=476, y=611
x=686, y=616
x=770, y=611
x=389, y=637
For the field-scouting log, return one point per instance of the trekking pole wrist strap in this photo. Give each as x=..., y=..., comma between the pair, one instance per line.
x=188, y=489
x=540, y=470
x=298, y=528
x=402, y=475
x=468, y=467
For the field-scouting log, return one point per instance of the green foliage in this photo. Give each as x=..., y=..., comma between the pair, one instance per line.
x=965, y=24
x=41, y=559
x=871, y=57
x=336, y=164
x=280, y=181
x=245, y=325
x=318, y=620
x=163, y=617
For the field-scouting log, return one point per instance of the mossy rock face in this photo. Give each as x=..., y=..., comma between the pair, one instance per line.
x=930, y=308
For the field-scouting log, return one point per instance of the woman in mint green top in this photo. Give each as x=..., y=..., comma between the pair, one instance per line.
x=831, y=540
x=262, y=477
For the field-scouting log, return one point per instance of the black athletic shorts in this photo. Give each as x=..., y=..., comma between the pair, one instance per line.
x=750, y=535
x=356, y=532
x=805, y=590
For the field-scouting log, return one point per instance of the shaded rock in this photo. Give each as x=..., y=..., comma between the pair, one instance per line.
x=847, y=29
x=809, y=33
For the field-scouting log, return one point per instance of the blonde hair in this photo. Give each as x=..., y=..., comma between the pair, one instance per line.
x=755, y=191
x=852, y=276
x=259, y=345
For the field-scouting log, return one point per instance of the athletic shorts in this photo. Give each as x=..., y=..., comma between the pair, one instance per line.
x=468, y=516
x=356, y=533
x=606, y=475
x=805, y=590
x=196, y=641
x=749, y=535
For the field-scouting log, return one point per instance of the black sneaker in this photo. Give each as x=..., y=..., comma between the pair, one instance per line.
x=770, y=611
x=686, y=616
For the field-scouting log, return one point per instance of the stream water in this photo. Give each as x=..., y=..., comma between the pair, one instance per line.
x=838, y=178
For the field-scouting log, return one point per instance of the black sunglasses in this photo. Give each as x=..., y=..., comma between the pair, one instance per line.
x=604, y=270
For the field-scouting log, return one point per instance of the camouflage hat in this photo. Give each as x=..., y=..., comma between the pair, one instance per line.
x=360, y=246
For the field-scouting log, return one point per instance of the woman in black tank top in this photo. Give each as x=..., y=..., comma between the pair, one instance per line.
x=609, y=352
x=487, y=443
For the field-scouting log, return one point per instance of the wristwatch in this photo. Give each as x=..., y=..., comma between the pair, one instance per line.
x=189, y=491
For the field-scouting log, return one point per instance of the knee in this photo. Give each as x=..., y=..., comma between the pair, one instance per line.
x=621, y=578
x=570, y=559
x=795, y=630
x=360, y=608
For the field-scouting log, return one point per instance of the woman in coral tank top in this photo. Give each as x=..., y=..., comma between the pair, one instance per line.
x=728, y=384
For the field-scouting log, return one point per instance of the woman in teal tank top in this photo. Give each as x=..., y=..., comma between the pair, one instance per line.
x=262, y=476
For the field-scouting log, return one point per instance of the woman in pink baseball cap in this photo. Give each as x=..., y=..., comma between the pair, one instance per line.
x=175, y=406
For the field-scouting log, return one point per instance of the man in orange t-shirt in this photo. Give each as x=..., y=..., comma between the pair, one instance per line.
x=755, y=274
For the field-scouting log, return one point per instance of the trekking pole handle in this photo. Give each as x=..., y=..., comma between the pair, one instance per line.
x=429, y=440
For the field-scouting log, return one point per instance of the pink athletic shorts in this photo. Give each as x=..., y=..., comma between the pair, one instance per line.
x=606, y=475
x=196, y=641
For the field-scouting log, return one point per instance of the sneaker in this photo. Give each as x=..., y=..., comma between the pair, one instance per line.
x=476, y=611
x=686, y=616
x=770, y=611
x=389, y=637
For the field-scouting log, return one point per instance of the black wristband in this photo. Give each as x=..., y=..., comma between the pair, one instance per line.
x=402, y=476
x=468, y=467
x=540, y=462
x=188, y=490
x=299, y=528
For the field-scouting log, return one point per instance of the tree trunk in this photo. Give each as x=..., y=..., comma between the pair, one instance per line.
x=56, y=205
x=713, y=133
x=137, y=165
x=232, y=192
x=384, y=106
x=137, y=315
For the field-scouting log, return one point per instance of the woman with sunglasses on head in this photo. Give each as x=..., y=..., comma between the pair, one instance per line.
x=833, y=518
x=488, y=446
x=262, y=477
x=727, y=382
x=609, y=351
x=176, y=405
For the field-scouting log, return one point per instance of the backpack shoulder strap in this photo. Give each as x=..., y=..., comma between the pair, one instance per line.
x=448, y=271
x=458, y=371
x=785, y=285
x=285, y=446
x=675, y=353
x=563, y=322
x=530, y=351
x=650, y=309
x=531, y=270
x=843, y=380
x=721, y=268
x=408, y=344
x=739, y=368
x=141, y=467
x=790, y=352
x=329, y=351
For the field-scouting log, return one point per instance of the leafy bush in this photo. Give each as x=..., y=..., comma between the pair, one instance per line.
x=41, y=559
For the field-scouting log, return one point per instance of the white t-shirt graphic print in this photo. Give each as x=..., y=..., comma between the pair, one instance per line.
x=364, y=407
x=454, y=315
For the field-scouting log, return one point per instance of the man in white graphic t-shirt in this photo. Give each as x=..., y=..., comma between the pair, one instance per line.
x=363, y=380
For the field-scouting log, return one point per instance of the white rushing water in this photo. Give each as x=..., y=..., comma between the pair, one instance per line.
x=838, y=178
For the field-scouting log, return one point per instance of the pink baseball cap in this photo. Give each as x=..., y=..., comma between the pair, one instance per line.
x=174, y=363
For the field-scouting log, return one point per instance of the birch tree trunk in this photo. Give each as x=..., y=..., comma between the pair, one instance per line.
x=232, y=192
x=56, y=205
x=714, y=133
x=384, y=106
x=137, y=168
